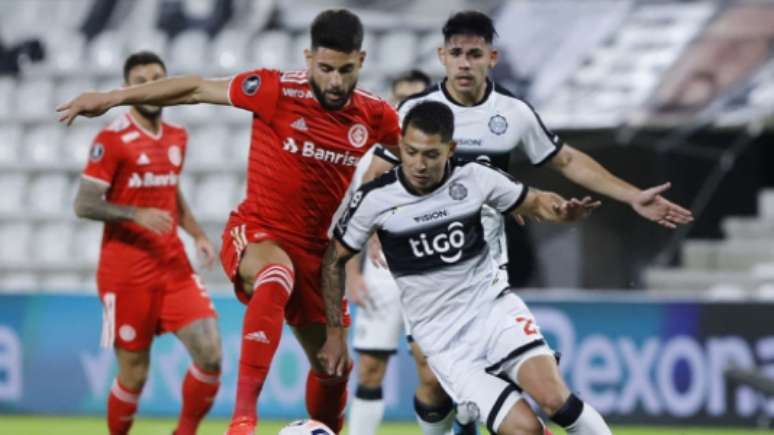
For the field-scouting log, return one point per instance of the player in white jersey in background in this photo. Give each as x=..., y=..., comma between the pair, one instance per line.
x=480, y=339
x=489, y=124
x=378, y=323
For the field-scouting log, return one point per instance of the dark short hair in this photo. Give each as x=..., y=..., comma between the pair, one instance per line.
x=141, y=58
x=412, y=75
x=337, y=29
x=470, y=23
x=431, y=117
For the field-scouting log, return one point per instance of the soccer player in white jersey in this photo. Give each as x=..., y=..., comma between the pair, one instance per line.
x=379, y=319
x=480, y=339
x=489, y=124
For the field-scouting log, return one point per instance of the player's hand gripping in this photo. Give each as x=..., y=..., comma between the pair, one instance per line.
x=154, y=219
x=88, y=104
x=334, y=355
x=205, y=250
x=652, y=206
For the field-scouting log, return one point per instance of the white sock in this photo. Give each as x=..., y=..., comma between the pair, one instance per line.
x=580, y=418
x=442, y=426
x=366, y=411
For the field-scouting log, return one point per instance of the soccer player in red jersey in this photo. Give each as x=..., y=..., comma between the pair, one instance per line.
x=146, y=284
x=309, y=130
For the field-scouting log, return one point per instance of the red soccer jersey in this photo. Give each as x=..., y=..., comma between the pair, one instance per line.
x=302, y=156
x=141, y=170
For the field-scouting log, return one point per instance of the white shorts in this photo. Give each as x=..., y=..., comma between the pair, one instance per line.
x=474, y=372
x=378, y=325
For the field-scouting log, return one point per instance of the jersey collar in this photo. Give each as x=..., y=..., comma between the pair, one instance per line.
x=487, y=93
x=148, y=133
x=410, y=189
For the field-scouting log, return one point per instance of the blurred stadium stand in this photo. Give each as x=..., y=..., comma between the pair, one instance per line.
x=648, y=82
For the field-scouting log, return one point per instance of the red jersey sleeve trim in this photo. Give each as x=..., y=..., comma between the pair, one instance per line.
x=96, y=179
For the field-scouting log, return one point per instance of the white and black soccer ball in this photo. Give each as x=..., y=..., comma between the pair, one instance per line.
x=306, y=427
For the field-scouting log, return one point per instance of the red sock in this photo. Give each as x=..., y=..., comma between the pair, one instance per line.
x=326, y=398
x=121, y=406
x=199, y=390
x=261, y=332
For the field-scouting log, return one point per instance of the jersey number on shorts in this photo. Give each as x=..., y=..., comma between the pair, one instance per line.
x=529, y=328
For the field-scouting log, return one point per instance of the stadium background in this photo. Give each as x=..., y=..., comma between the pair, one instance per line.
x=656, y=327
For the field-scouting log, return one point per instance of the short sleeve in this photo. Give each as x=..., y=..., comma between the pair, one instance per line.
x=257, y=91
x=389, y=128
x=539, y=143
x=357, y=221
x=105, y=157
x=501, y=191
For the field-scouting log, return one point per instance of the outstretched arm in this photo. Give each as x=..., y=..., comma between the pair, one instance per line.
x=165, y=92
x=551, y=207
x=334, y=355
x=91, y=204
x=582, y=169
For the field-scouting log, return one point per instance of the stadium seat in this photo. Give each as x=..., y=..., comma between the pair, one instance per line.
x=18, y=282
x=105, y=52
x=229, y=49
x=77, y=141
x=7, y=90
x=15, y=239
x=273, y=49
x=239, y=142
x=10, y=138
x=215, y=196
x=766, y=203
x=295, y=54
x=397, y=52
x=41, y=145
x=48, y=194
x=187, y=183
x=34, y=98
x=188, y=51
x=69, y=89
x=64, y=51
x=207, y=146
x=52, y=242
x=65, y=282
x=86, y=241
x=13, y=185
x=427, y=49
x=148, y=40
x=191, y=115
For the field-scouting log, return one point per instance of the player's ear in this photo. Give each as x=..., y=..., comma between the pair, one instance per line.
x=452, y=147
x=441, y=51
x=494, y=56
x=361, y=57
x=308, y=58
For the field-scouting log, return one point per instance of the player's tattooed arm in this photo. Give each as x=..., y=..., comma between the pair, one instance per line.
x=333, y=354
x=90, y=203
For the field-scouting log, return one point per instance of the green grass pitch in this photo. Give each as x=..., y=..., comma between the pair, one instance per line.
x=35, y=425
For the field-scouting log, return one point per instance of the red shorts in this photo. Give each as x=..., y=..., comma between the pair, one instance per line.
x=306, y=305
x=165, y=301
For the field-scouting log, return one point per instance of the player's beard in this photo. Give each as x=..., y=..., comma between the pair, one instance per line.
x=320, y=95
x=150, y=112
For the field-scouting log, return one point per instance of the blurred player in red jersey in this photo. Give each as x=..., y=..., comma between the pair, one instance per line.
x=146, y=284
x=309, y=130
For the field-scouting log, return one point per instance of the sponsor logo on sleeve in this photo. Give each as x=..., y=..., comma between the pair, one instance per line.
x=96, y=152
x=251, y=85
x=457, y=191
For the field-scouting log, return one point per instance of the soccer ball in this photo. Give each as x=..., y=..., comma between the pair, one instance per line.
x=306, y=427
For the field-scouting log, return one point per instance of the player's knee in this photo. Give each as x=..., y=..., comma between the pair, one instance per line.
x=371, y=371
x=134, y=376
x=208, y=357
x=551, y=401
x=520, y=420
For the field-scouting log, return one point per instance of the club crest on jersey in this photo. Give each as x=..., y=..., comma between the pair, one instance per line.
x=175, y=156
x=96, y=152
x=251, y=85
x=358, y=135
x=458, y=191
x=498, y=124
